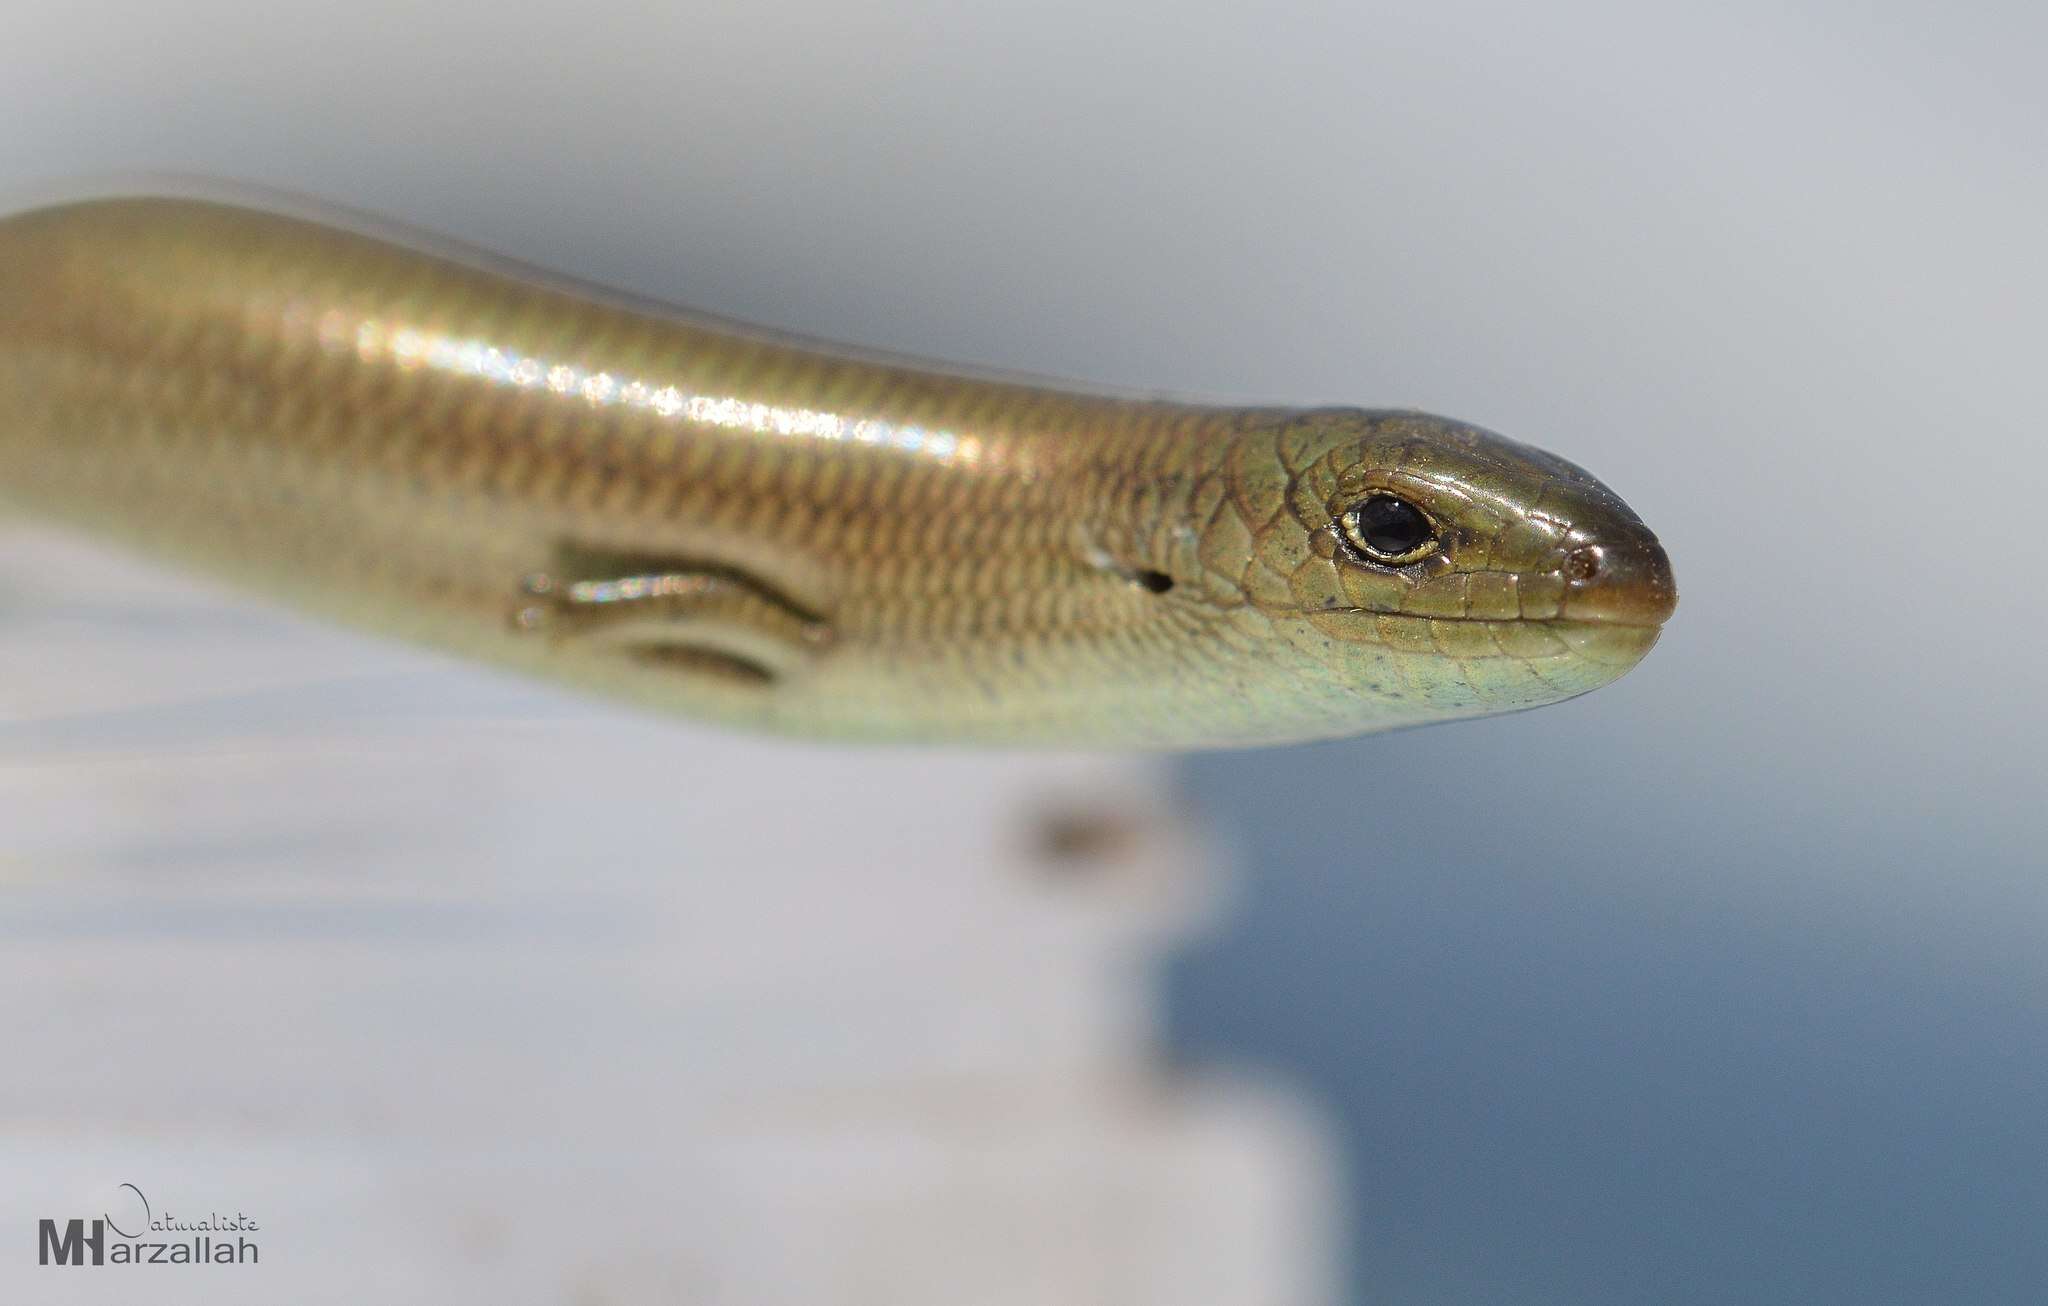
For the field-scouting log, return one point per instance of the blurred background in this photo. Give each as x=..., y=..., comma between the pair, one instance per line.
x=1724, y=984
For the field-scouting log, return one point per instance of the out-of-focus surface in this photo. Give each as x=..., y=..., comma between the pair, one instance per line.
x=1725, y=984
x=465, y=991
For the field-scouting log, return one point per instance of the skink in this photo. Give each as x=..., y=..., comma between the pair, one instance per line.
x=777, y=534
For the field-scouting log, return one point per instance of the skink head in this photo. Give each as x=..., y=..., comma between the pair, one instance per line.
x=1420, y=569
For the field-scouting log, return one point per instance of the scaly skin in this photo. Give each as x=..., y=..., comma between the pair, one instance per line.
x=774, y=534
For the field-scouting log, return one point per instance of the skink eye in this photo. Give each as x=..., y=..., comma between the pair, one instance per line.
x=1390, y=530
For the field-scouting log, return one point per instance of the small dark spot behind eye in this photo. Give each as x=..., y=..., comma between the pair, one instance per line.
x=1152, y=582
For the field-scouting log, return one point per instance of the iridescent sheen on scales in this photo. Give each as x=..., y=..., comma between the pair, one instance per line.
x=779, y=534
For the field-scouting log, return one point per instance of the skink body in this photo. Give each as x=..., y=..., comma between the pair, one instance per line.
x=776, y=534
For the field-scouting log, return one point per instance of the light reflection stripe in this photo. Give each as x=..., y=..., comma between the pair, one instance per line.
x=411, y=347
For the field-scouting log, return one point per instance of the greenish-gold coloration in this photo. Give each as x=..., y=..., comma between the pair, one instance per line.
x=773, y=533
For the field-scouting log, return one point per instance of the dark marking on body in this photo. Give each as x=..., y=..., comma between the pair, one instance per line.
x=696, y=617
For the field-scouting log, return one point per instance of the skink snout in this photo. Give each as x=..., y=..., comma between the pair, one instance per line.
x=1623, y=582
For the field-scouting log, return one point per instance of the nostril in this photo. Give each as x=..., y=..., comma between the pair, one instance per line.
x=1628, y=583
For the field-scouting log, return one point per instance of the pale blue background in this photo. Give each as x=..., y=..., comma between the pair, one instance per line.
x=1724, y=985
x=1730, y=983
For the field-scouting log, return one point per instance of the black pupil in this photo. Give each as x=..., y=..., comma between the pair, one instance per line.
x=1392, y=526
